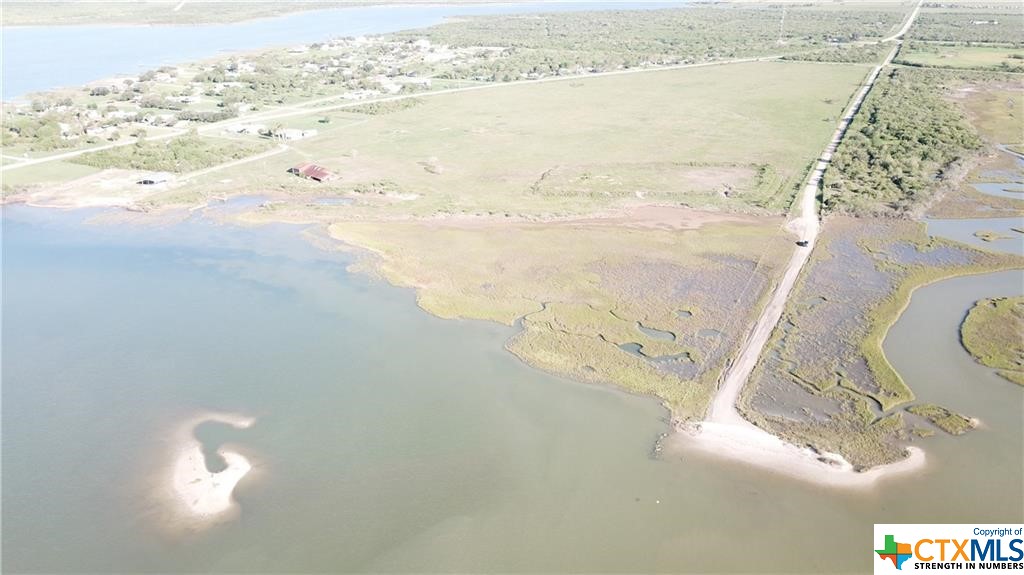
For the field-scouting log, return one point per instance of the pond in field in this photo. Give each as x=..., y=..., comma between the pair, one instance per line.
x=40, y=58
x=993, y=234
x=384, y=439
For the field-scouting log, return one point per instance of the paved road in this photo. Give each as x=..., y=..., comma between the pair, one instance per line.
x=806, y=226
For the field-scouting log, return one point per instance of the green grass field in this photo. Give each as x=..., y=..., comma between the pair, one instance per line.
x=997, y=112
x=737, y=136
x=962, y=56
x=49, y=172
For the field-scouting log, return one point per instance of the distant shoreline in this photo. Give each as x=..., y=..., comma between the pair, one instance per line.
x=54, y=16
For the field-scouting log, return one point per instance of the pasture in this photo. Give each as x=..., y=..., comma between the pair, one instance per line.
x=737, y=137
x=962, y=56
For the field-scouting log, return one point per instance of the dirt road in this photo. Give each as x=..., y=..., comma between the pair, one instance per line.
x=906, y=25
x=805, y=225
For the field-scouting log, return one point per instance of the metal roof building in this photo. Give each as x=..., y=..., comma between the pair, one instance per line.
x=313, y=172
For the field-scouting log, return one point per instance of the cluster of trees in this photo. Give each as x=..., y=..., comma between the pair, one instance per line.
x=386, y=107
x=549, y=44
x=158, y=102
x=207, y=117
x=151, y=74
x=183, y=154
x=276, y=77
x=1004, y=27
x=44, y=104
x=903, y=139
x=1005, y=66
x=41, y=134
x=856, y=53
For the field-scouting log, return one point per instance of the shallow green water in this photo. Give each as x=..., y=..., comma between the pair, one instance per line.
x=386, y=439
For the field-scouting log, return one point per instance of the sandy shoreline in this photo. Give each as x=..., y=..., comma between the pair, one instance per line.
x=750, y=445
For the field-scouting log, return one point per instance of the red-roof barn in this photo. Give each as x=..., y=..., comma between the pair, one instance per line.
x=313, y=172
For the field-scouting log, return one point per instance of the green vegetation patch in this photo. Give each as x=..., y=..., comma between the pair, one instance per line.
x=41, y=174
x=993, y=332
x=1002, y=58
x=561, y=43
x=905, y=136
x=179, y=155
x=823, y=379
x=1004, y=26
x=607, y=290
x=386, y=106
x=584, y=145
x=1014, y=376
x=856, y=53
x=946, y=420
x=996, y=109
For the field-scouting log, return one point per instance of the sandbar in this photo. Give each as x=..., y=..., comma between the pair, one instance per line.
x=200, y=497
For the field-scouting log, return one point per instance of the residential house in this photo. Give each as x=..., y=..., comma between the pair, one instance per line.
x=313, y=172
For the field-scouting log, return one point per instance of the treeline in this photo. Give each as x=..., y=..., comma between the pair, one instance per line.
x=183, y=154
x=385, y=107
x=1001, y=67
x=900, y=143
x=554, y=43
x=207, y=116
x=852, y=53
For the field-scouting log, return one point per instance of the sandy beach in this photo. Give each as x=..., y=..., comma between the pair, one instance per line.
x=750, y=445
x=199, y=497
